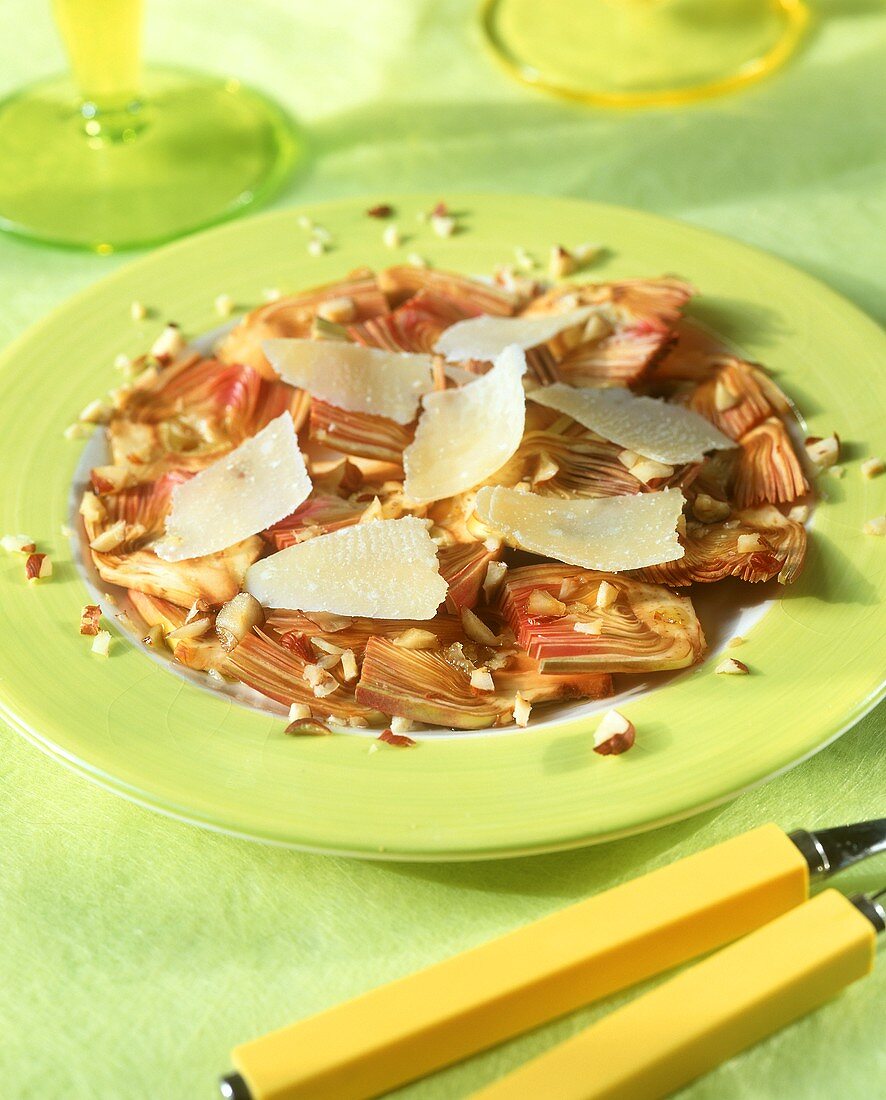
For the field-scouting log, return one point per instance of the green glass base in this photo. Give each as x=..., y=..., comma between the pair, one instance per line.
x=640, y=53
x=197, y=149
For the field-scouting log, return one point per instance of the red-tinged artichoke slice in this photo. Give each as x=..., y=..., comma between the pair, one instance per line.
x=413, y=326
x=262, y=663
x=354, y=634
x=463, y=566
x=693, y=357
x=637, y=319
x=768, y=470
x=469, y=295
x=146, y=505
x=201, y=653
x=541, y=365
x=294, y=316
x=755, y=545
x=523, y=674
x=642, y=628
x=216, y=578
x=129, y=519
x=561, y=458
x=737, y=398
x=320, y=514
x=361, y=434
x=423, y=686
x=192, y=412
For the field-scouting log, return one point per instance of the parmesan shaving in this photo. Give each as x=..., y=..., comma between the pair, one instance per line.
x=645, y=425
x=382, y=570
x=610, y=533
x=464, y=435
x=255, y=486
x=486, y=337
x=352, y=377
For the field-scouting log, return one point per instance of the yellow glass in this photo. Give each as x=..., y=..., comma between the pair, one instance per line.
x=117, y=158
x=103, y=39
x=640, y=53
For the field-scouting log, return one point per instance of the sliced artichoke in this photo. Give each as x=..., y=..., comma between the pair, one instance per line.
x=715, y=551
x=645, y=628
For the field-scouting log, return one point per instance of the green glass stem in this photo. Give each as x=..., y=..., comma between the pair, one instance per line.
x=116, y=158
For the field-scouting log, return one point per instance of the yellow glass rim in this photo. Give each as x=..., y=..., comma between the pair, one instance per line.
x=797, y=18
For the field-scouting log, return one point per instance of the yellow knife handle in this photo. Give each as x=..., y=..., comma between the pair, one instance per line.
x=449, y=1011
x=666, y=1038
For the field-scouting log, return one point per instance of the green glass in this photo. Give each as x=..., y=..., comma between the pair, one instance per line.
x=113, y=157
x=642, y=53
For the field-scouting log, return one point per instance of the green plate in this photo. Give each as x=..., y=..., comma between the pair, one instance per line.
x=816, y=654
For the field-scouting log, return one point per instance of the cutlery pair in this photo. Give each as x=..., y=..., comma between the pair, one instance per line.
x=786, y=956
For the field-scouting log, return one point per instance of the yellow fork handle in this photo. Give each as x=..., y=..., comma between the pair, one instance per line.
x=707, y=1014
x=401, y=1031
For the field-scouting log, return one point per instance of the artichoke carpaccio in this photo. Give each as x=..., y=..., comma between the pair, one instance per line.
x=516, y=630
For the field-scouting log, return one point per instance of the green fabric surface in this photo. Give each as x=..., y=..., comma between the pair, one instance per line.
x=135, y=951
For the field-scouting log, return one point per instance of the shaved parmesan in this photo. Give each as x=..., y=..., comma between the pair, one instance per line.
x=610, y=533
x=384, y=570
x=255, y=486
x=486, y=337
x=353, y=377
x=464, y=435
x=653, y=428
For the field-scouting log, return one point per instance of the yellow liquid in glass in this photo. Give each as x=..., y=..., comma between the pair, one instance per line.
x=103, y=40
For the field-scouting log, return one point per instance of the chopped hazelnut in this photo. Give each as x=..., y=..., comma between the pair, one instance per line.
x=416, y=638
x=749, y=544
x=731, y=667
x=492, y=582
x=338, y=311
x=443, y=224
x=18, y=544
x=607, y=594
x=38, y=567
x=823, y=452
x=594, y=628
x=724, y=398
x=481, y=679
x=707, y=509
x=90, y=617
x=542, y=603
x=349, y=668
x=561, y=263
x=614, y=735
x=522, y=710
x=169, y=344
x=224, y=305
x=648, y=470
x=96, y=412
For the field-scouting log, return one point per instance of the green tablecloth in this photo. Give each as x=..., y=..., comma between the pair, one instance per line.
x=135, y=951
